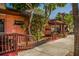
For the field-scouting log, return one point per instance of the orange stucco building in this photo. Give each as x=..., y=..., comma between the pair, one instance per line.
x=9, y=19
x=12, y=36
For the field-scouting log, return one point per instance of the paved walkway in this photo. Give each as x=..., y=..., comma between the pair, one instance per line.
x=60, y=47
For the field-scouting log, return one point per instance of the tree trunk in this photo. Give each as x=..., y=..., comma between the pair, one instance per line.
x=76, y=28
x=30, y=22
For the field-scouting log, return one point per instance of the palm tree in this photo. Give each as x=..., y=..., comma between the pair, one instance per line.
x=50, y=7
x=26, y=7
x=32, y=7
x=76, y=28
x=35, y=16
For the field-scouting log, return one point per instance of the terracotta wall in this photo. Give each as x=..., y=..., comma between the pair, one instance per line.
x=10, y=27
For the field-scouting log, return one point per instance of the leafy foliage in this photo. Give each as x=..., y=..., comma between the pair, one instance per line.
x=37, y=26
x=49, y=7
x=36, y=21
x=68, y=19
x=58, y=17
x=24, y=6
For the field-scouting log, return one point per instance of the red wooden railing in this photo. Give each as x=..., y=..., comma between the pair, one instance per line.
x=12, y=42
x=7, y=43
x=17, y=42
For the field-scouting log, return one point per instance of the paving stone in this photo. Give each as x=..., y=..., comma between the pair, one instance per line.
x=60, y=47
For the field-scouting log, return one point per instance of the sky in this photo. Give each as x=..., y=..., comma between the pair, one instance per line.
x=65, y=9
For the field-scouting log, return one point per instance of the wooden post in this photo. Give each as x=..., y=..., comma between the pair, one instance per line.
x=61, y=28
x=15, y=37
x=26, y=39
x=2, y=43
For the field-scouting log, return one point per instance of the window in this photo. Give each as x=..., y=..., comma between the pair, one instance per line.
x=1, y=26
x=18, y=22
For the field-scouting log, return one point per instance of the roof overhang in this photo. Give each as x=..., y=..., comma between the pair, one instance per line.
x=12, y=12
x=56, y=22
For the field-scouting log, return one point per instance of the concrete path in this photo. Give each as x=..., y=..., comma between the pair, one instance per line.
x=60, y=47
